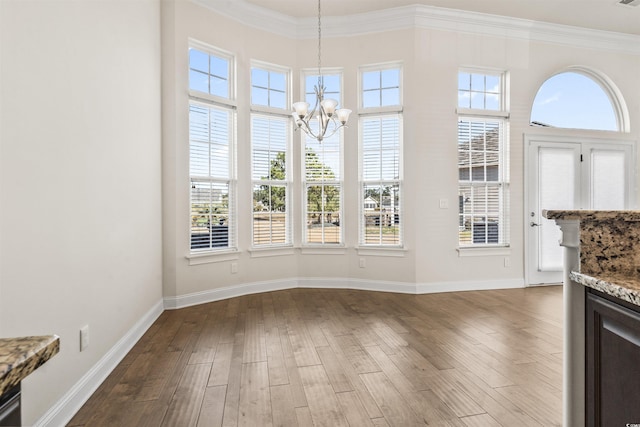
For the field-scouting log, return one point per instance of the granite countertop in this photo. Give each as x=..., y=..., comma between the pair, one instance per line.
x=620, y=286
x=21, y=356
x=630, y=216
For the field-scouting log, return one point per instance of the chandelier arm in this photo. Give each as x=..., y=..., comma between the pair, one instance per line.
x=337, y=127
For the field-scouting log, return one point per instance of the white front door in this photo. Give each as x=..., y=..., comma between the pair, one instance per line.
x=569, y=174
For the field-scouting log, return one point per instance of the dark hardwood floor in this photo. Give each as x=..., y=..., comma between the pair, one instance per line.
x=342, y=357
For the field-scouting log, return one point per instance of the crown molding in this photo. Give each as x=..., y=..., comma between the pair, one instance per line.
x=424, y=17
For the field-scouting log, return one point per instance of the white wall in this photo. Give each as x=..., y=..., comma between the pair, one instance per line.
x=431, y=59
x=80, y=179
x=82, y=240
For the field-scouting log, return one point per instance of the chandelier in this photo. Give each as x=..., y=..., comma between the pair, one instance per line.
x=324, y=112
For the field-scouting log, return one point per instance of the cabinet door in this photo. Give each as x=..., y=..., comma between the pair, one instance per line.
x=613, y=364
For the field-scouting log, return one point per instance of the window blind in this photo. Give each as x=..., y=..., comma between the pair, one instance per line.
x=483, y=186
x=211, y=174
x=271, y=215
x=381, y=219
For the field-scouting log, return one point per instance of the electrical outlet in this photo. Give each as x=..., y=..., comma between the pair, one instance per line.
x=507, y=262
x=84, y=337
x=444, y=203
x=363, y=262
x=234, y=267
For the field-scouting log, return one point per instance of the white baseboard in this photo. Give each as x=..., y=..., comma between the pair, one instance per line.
x=62, y=412
x=196, y=298
x=486, y=285
x=357, y=284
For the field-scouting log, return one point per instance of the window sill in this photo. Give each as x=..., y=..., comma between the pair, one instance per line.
x=269, y=252
x=484, y=251
x=310, y=250
x=210, y=257
x=381, y=251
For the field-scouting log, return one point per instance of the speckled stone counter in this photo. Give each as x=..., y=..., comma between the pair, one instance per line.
x=622, y=287
x=21, y=356
x=609, y=241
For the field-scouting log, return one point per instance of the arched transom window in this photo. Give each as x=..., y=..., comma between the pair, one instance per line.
x=579, y=99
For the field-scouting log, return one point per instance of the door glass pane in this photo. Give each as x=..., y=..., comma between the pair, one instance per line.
x=556, y=190
x=607, y=179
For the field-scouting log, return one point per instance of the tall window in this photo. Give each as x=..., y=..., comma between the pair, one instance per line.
x=211, y=149
x=271, y=152
x=380, y=156
x=322, y=174
x=483, y=174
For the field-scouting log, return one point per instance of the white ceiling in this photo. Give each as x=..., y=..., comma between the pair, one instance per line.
x=605, y=15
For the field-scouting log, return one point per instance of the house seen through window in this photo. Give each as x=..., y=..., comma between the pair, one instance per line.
x=211, y=138
x=380, y=156
x=483, y=186
x=270, y=156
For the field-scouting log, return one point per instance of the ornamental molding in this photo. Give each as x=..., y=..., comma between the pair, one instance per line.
x=424, y=17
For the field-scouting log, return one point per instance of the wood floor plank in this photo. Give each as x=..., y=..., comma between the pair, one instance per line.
x=546, y=411
x=356, y=381
x=255, y=348
x=338, y=379
x=501, y=409
x=303, y=415
x=275, y=357
x=155, y=379
x=474, y=359
x=234, y=383
x=399, y=380
x=302, y=345
x=212, y=406
x=221, y=365
x=299, y=398
x=353, y=410
x=255, y=397
x=185, y=406
x=323, y=404
x=454, y=396
x=282, y=406
x=428, y=406
x=205, y=347
x=482, y=420
x=304, y=357
x=355, y=353
x=379, y=422
x=391, y=403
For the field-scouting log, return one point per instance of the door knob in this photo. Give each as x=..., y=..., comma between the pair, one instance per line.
x=533, y=224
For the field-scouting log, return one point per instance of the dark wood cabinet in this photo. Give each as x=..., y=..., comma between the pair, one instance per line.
x=10, y=407
x=612, y=362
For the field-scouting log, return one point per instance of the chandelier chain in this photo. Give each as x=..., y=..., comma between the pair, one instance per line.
x=319, y=47
x=324, y=120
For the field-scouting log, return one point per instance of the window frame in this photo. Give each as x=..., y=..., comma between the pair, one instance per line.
x=266, y=66
x=380, y=112
x=380, y=67
x=283, y=114
x=503, y=111
x=209, y=101
x=305, y=184
x=500, y=116
x=223, y=54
